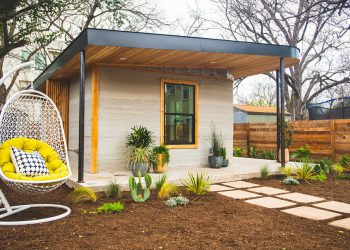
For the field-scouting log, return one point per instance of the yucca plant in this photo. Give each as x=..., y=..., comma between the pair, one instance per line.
x=82, y=194
x=199, y=184
x=167, y=190
x=305, y=172
x=286, y=171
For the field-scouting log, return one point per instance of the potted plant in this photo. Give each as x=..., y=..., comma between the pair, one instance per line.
x=225, y=161
x=215, y=160
x=288, y=141
x=160, y=158
x=140, y=152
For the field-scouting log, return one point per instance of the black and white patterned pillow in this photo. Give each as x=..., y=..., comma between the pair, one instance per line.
x=28, y=164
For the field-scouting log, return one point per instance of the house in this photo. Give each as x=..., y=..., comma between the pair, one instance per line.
x=255, y=114
x=105, y=82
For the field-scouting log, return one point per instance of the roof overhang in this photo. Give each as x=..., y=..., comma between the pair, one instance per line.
x=121, y=48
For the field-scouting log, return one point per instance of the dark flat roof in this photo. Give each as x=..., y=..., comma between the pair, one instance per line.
x=100, y=37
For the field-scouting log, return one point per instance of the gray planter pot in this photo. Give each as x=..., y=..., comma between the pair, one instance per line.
x=225, y=163
x=139, y=166
x=215, y=161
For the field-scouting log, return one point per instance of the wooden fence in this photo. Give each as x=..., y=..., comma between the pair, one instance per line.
x=325, y=138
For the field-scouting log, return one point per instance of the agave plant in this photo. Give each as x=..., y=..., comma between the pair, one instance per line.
x=199, y=184
x=305, y=172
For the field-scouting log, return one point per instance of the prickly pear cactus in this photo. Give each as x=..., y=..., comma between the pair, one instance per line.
x=136, y=188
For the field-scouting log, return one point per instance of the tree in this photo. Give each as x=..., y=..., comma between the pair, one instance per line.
x=318, y=29
x=262, y=94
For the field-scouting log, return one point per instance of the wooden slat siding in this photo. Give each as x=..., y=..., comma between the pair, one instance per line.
x=58, y=91
x=325, y=138
x=95, y=89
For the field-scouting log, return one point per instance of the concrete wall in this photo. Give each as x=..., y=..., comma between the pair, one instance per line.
x=73, y=143
x=130, y=97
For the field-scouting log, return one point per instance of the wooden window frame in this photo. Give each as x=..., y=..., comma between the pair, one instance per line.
x=162, y=112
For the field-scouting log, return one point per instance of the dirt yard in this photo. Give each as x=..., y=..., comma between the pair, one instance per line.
x=211, y=222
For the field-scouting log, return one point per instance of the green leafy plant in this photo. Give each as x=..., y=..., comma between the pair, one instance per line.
x=305, y=172
x=110, y=208
x=321, y=176
x=264, y=171
x=324, y=165
x=253, y=152
x=288, y=128
x=290, y=181
x=160, y=182
x=302, y=153
x=216, y=141
x=263, y=154
x=136, y=189
x=138, y=155
x=271, y=155
x=338, y=169
x=238, y=151
x=82, y=194
x=167, y=190
x=287, y=171
x=199, y=184
x=113, y=191
x=162, y=149
x=140, y=137
x=175, y=201
x=345, y=161
x=223, y=152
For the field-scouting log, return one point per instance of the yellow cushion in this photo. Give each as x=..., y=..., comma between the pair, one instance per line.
x=53, y=162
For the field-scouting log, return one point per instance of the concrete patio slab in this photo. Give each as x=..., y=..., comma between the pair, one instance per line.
x=344, y=223
x=270, y=202
x=216, y=188
x=240, y=184
x=299, y=197
x=311, y=213
x=336, y=206
x=239, y=194
x=268, y=190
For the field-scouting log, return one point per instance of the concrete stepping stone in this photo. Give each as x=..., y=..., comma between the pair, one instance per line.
x=336, y=206
x=268, y=190
x=311, y=213
x=241, y=184
x=216, y=188
x=239, y=194
x=344, y=223
x=270, y=202
x=299, y=197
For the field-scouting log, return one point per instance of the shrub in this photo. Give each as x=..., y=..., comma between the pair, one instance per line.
x=324, y=165
x=82, y=194
x=199, y=184
x=111, y=207
x=160, y=182
x=263, y=154
x=264, y=171
x=338, y=169
x=302, y=153
x=345, y=161
x=305, y=172
x=113, y=191
x=140, y=137
x=271, y=155
x=290, y=181
x=287, y=171
x=167, y=190
x=175, y=201
x=320, y=176
x=238, y=151
x=253, y=152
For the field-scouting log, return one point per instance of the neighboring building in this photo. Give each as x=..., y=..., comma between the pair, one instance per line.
x=175, y=86
x=255, y=114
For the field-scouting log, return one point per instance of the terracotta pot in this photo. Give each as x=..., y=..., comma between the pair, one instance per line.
x=286, y=155
x=161, y=165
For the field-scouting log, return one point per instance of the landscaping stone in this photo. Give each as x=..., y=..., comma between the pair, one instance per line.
x=299, y=197
x=335, y=206
x=241, y=184
x=216, y=188
x=344, y=223
x=239, y=194
x=270, y=202
x=268, y=190
x=311, y=213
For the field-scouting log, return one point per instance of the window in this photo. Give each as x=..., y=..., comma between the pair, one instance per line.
x=179, y=113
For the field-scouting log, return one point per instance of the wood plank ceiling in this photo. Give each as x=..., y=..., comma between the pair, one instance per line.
x=241, y=65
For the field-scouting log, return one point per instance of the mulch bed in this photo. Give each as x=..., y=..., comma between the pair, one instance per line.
x=211, y=222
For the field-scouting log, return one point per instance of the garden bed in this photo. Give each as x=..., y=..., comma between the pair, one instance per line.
x=213, y=221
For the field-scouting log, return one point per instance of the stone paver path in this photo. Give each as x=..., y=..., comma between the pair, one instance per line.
x=292, y=203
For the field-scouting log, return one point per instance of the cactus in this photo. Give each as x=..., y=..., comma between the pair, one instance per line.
x=136, y=188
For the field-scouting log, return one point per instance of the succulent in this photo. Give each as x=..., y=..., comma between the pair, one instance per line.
x=136, y=188
x=174, y=201
x=290, y=181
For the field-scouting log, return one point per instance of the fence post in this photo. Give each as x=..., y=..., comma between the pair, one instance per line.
x=248, y=140
x=332, y=127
